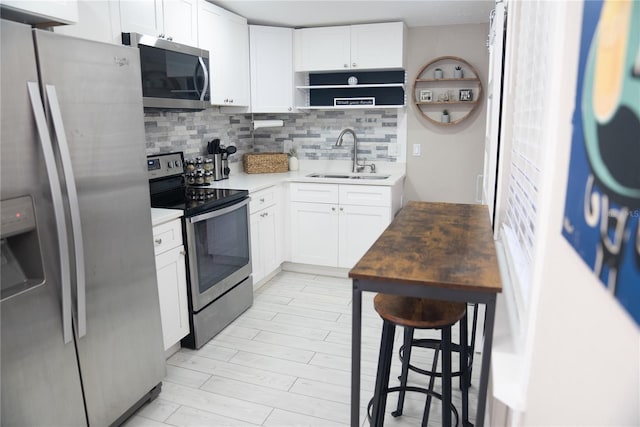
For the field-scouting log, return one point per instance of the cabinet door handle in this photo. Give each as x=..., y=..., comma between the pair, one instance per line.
x=333, y=208
x=354, y=65
x=341, y=209
x=183, y=253
x=158, y=241
x=262, y=200
x=346, y=65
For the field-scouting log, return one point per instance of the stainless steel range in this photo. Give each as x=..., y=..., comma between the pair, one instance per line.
x=216, y=229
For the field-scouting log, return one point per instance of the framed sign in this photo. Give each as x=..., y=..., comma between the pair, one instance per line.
x=426, y=96
x=466, y=95
x=353, y=101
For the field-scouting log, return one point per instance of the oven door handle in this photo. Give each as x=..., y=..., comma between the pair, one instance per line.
x=218, y=212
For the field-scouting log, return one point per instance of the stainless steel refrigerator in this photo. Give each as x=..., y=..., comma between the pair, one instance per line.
x=81, y=332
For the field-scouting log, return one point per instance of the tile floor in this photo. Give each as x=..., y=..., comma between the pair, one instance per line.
x=286, y=362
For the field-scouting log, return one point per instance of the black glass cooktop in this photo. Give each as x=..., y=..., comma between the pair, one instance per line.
x=196, y=200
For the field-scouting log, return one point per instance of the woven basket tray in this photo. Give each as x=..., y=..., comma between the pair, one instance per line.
x=265, y=162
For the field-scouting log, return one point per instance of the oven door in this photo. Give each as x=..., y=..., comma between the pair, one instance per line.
x=219, y=252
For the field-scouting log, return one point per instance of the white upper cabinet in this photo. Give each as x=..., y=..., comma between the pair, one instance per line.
x=97, y=20
x=323, y=48
x=226, y=37
x=42, y=11
x=271, y=64
x=175, y=20
x=354, y=47
x=142, y=16
x=377, y=45
x=181, y=21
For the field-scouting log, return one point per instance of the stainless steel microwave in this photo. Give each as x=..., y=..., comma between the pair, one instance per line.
x=174, y=76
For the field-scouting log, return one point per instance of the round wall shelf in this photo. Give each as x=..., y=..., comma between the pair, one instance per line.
x=447, y=83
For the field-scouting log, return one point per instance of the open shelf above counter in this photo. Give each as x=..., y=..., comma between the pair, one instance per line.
x=348, y=90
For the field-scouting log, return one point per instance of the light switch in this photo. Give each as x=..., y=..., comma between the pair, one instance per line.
x=416, y=150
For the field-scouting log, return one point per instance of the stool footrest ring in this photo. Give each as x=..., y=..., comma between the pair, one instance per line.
x=432, y=393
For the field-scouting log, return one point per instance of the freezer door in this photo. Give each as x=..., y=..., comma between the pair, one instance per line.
x=99, y=97
x=39, y=373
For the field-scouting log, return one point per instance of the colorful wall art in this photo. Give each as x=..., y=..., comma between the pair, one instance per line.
x=602, y=207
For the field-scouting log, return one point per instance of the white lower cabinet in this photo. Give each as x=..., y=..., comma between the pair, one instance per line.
x=337, y=231
x=314, y=233
x=266, y=233
x=172, y=281
x=359, y=227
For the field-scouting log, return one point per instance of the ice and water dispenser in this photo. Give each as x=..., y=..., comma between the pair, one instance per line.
x=21, y=266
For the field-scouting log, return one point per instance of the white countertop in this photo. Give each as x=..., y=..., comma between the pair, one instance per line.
x=160, y=216
x=258, y=181
x=239, y=180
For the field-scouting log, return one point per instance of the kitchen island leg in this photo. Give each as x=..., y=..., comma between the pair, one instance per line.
x=486, y=360
x=356, y=325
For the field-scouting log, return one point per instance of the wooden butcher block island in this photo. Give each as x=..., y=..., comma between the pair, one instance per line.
x=442, y=251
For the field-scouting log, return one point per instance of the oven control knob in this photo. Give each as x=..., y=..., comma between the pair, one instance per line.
x=177, y=163
x=170, y=165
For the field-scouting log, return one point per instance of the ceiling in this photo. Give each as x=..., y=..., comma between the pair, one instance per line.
x=314, y=13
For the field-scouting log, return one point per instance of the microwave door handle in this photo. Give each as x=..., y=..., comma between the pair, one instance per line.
x=206, y=78
x=74, y=208
x=58, y=209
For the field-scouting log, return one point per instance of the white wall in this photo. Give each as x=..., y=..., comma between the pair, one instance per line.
x=582, y=349
x=452, y=156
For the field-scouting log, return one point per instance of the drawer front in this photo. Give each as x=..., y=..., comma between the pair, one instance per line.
x=167, y=236
x=365, y=195
x=314, y=193
x=263, y=199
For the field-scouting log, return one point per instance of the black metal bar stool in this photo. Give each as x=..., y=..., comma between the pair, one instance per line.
x=418, y=313
x=465, y=353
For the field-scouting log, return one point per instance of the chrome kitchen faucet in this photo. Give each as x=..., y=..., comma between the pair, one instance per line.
x=356, y=167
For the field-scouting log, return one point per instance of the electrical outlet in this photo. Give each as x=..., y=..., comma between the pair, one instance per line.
x=416, y=150
x=393, y=150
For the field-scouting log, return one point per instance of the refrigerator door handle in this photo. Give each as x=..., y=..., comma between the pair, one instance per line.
x=58, y=209
x=206, y=78
x=74, y=207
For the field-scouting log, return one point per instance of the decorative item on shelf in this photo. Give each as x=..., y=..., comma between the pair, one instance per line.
x=445, y=96
x=426, y=96
x=437, y=73
x=352, y=81
x=466, y=95
x=457, y=72
x=294, y=165
x=445, y=118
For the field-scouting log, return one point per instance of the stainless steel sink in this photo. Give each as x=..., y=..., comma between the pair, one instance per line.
x=343, y=176
x=327, y=175
x=369, y=177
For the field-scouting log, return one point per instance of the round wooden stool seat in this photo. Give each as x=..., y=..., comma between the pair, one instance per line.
x=419, y=313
